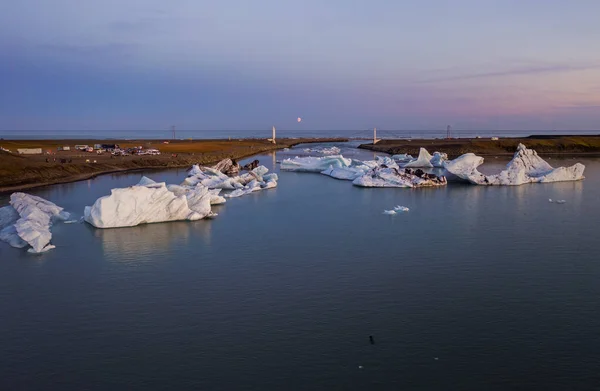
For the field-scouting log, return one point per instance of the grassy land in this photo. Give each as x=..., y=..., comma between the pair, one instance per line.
x=19, y=172
x=568, y=145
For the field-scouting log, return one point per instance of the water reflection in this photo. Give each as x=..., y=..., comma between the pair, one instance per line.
x=148, y=242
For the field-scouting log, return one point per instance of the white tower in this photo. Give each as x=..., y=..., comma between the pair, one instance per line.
x=375, y=136
x=273, y=139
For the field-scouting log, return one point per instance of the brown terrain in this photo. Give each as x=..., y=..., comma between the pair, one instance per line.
x=544, y=145
x=19, y=172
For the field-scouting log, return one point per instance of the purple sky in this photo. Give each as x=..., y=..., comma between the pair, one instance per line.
x=237, y=64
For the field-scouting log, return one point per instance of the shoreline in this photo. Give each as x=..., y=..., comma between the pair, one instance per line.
x=568, y=146
x=32, y=171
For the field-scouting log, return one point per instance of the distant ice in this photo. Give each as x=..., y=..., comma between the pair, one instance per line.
x=323, y=150
x=525, y=167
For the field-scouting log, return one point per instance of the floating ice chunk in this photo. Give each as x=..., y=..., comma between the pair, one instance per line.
x=145, y=181
x=423, y=161
x=227, y=167
x=8, y=216
x=403, y=158
x=323, y=150
x=525, y=167
x=136, y=205
x=399, y=208
x=438, y=159
x=344, y=173
x=389, y=212
x=314, y=164
x=550, y=200
x=560, y=201
x=27, y=221
x=10, y=235
x=393, y=177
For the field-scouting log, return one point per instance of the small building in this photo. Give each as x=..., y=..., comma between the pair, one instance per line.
x=29, y=151
x=98, y=146
x=65, y=148
x=81, y=147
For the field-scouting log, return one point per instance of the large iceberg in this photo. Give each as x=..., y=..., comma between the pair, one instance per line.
x=315, y=164
x=424, y=160
x=251, y=181
x=148, y=203
x=525, y=167
x=358, y=168
x=394, y=177
x=27, y=221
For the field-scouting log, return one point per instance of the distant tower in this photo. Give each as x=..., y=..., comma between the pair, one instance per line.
x=173, y=130
x=449, y=132
x=273, y=139
x=375, y=136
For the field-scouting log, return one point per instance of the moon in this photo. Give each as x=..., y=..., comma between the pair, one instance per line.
x=299, y=119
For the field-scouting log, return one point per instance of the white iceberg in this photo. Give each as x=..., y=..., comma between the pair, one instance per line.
x=399, y=208
x=314, y=164
x=151, y=203
x=438, y=159
x=27, y=221
x=389, y=212
x=403, y=158
x=393, y=177
x=525, y=167
x=423, y=161
x=359, y=168
x=344, y=173
x=323, y=150
x=254, y=180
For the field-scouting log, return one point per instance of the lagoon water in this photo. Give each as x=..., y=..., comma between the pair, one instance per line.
x=475, y=288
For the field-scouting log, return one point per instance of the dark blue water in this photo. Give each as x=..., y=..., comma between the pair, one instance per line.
x=476, y=288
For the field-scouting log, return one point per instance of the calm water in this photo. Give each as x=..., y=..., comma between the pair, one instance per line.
x=299, y=131
x=476, y=288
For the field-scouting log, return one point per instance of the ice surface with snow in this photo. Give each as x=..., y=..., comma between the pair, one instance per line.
x=525, y=167
x=323, y=150
x=314, y=164
x=27, y=221
x=394, y=177
x=403, y=158
x=257, y=179
x=149, y=203
x=389, y=212
x=423, y=161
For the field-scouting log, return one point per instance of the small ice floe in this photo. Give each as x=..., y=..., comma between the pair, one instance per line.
x=399, y=208
x=389, y=212
x=557, y=201
x=72, y=221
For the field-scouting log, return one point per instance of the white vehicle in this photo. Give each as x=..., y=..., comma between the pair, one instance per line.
x=152, y=152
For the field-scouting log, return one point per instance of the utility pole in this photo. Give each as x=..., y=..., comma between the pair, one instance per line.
x=449, y=132
x=173, y=130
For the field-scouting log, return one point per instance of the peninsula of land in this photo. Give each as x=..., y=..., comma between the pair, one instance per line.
x=545, y=145
x=56, y=165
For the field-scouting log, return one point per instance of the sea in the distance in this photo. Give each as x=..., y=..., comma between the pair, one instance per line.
x=292, y=133
x=475, y=288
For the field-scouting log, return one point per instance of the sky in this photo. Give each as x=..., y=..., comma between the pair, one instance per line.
x=351, y=64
